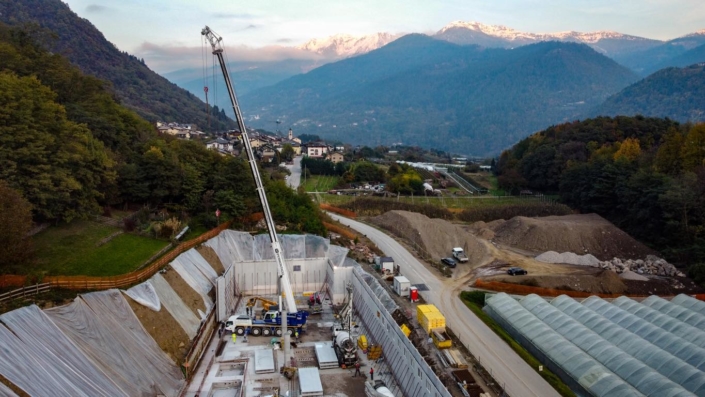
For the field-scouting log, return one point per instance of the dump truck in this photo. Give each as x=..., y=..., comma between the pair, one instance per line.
x=459, y=254
x=270, y=325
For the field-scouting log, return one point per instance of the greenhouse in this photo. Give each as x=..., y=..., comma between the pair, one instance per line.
x=637, y=349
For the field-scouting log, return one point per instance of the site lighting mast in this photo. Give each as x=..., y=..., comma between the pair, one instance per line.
x=284, y=282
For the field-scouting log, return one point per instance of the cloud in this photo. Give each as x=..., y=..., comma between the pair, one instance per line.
x=284, y=40
x=165, y=58
x=230, y=15
x=95, y=8
x=251, y=26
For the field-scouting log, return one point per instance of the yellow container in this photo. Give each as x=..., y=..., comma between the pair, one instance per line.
x=429, y=321
x=424, y=309
x=441, y=339
x=405, y=330
x=362, y=342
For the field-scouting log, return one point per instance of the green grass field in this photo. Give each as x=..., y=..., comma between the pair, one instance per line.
x=71, y=250
x=319, y=183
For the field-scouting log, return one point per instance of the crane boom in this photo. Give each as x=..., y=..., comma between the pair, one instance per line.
x=215, y=42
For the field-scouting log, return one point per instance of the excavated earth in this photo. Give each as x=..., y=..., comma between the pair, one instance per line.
x=436, y=236
x=580, y=234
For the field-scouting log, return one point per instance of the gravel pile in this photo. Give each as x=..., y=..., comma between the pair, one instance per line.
x=569, y=258
x=651, y=265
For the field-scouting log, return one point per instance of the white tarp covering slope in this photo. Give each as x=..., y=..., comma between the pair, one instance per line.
x=294, y=246
x=197, y=273
x=232, y=246
x=45, y=362
x=112, y=336
x=6, y=392
x=176, y=306
x=145, y=295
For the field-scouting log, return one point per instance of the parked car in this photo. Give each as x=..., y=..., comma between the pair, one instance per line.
x=450, y=262
x=514, y=271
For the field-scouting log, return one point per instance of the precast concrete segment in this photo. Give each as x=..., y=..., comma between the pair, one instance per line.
x=508, y=369
x=374, y=306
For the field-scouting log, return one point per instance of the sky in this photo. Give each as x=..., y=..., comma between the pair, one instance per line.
x=165, y=31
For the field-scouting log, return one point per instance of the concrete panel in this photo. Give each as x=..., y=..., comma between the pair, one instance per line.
x=413, y=375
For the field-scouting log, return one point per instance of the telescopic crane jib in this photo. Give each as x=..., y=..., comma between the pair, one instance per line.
x=215, y=42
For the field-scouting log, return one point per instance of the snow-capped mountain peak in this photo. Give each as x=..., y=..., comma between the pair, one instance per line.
x=512, y=35
x=345, y=45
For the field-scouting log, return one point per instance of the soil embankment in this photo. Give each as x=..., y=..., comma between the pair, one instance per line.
x=435, y=236
x=580, y=234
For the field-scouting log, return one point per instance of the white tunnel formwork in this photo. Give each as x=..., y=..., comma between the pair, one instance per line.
x=313, y=265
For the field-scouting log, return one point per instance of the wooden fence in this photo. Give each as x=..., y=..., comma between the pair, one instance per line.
x=102, y=283
x=340, y=230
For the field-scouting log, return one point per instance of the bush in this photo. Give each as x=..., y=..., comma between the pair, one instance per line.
x=476, y=297
x=372, y=207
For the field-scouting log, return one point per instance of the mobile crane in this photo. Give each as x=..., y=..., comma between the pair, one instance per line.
x=284, y=283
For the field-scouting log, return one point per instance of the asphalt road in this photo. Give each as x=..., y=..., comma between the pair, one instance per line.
x=295, y=178
x=508, y=369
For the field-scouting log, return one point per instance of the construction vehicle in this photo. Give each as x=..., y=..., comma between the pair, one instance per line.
x=343, y=344
x=267, y=305
x=270, y=324
x=459, y=254
x=377, y=388
x=284, y=285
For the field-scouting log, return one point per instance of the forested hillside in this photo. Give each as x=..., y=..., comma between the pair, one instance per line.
x=68, y=149
x=137, y=87
x=421, y=91
x=676, y=93
x=646, y=175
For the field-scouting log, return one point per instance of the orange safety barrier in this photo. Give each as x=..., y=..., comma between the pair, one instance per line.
x=519, y=289
x=699, y=297
x=123, y=280
x=340, y=211
x=340, y=230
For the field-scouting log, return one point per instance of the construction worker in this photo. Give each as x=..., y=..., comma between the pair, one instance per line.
x=357, y=369
x=372, y=373
x=234, y=337
x=296, y=335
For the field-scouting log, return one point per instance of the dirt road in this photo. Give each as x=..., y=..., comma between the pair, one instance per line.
x=496, y=356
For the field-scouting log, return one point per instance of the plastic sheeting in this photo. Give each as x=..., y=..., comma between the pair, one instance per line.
x=197, y=273
x=6, y=392
x=377, y=289
x=232, y=247
x=175, y=306
x=679, y=347
x=689, y=303
x=580, y=366
x=52, y=364
x=695, y=319
x=294, y=246
x=262, y=247
x=670, y=324
x=622, y=352
x=104, y=327
x=337, y=254
x=316, y=247
x=145, y=295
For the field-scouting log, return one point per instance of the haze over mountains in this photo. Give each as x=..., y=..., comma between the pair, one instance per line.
x=469, y=88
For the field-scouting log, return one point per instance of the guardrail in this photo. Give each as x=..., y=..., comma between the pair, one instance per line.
x=29, y=290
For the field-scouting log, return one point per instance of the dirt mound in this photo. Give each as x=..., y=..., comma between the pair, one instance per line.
x=481, y=230
x=569, y=258
x=581, y=234
x=436, y=236
x=212, y=258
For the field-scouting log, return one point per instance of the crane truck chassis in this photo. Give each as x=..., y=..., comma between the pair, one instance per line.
x=270, y=325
